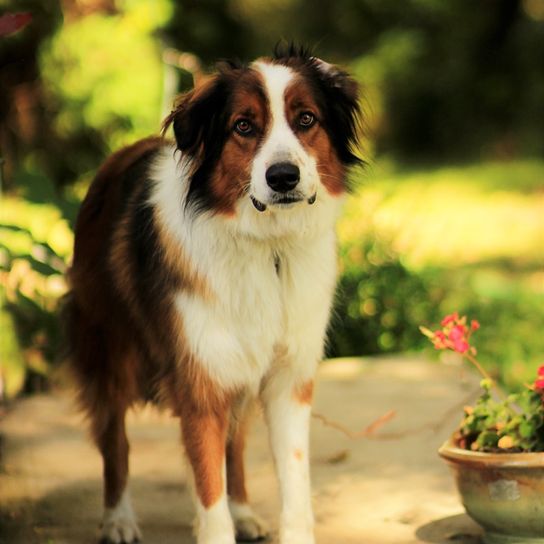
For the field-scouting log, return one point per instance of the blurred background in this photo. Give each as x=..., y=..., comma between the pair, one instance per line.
x=448, y=215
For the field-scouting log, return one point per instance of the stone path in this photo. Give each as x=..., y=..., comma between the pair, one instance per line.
x=393, y=491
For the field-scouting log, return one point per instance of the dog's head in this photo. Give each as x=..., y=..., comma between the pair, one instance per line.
x=278, y=134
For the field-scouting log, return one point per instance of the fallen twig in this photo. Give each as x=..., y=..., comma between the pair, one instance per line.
x=370, y=431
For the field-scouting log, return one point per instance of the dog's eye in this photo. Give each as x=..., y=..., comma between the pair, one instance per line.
x=306, y=119
x=243, y=127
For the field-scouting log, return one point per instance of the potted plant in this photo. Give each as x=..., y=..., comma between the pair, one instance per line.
x=497, y=452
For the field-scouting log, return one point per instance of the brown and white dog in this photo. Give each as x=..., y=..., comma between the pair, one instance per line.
x=203, y=276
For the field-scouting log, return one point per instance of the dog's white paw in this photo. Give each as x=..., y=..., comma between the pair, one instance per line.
x=119, y=524
x=120, y=531
x=249, y=526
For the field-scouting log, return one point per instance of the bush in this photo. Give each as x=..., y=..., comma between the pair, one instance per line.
x=379, y=302
x=36, y=245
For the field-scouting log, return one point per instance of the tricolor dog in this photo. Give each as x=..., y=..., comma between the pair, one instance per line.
x=203, y=276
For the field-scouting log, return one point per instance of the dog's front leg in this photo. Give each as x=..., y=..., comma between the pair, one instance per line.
x=204, y=435
x=287, y=405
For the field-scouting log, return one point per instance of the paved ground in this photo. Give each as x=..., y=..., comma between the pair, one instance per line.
x=393, y=491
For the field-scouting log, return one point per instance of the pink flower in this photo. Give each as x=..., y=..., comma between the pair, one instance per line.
x=454, y=334
x=439, y=340
x=462, y=346
x=457, y=333
x=540, y=371
x=450, y=319
x=539, y=384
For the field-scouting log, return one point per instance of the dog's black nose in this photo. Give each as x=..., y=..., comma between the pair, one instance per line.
x=282, y=176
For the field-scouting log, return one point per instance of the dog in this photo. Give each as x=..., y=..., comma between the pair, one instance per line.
x=203, y=276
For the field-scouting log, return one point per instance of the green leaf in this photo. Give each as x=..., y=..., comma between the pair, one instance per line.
x=527, y=429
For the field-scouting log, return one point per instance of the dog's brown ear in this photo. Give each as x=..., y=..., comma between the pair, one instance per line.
x=197, y=116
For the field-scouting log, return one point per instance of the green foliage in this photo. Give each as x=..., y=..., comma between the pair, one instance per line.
x=113, y=86
x=212, y=29
x=379, y=302
x=513, y=424
x=36, y=244
x=440, y=80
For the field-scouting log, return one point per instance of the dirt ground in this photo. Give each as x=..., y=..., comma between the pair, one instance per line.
x=394, y=491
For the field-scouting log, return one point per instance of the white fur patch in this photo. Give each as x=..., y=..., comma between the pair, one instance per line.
x=288, y=422
x=119, y=523
x=249, y=526
x=215, y=524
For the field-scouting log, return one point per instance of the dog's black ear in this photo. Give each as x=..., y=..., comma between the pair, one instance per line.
x=342, y=107
x=198, y=118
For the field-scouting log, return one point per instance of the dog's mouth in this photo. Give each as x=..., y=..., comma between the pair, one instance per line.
x=284, y=201
x=260, y=206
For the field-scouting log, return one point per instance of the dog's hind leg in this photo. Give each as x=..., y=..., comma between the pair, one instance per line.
x=105, y=392
x=119, y=522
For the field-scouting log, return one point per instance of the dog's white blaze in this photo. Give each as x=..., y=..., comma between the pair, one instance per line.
x=281, y=144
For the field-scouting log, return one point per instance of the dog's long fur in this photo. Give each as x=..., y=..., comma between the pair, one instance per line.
x=196, y=284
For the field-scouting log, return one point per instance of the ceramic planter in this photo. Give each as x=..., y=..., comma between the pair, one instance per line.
x=503, y=492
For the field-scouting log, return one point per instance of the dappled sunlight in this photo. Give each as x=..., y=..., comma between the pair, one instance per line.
x=372, y=504
x=451, y=219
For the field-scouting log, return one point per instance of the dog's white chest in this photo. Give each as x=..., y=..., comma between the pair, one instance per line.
x=233, y=333
x=263, y=298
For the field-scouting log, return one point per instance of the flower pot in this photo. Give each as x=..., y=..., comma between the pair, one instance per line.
x=503, y=492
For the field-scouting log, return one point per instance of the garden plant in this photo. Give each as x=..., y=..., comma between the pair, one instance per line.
x=497, y=422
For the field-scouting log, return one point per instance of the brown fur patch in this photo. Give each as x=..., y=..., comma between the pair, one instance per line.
x=236, y=485
x=204, y=436
x=113, y=445
x=204, y=411
x=95, y=224
x=304, y=393
x=316, y=141
x=179, y=265
x=232, y=173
